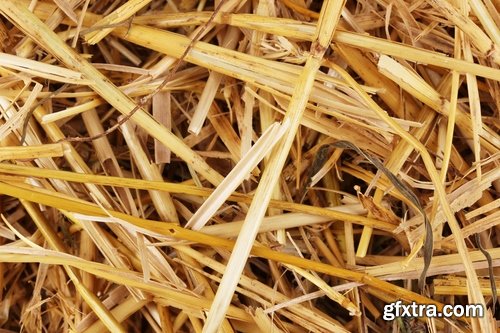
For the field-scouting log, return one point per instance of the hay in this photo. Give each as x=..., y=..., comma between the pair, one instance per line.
x=267, y=166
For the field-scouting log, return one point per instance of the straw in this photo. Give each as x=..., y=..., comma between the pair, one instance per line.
x=236, y=166
x=120, y=15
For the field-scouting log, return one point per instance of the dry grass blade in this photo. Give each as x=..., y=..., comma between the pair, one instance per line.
x=490, y=273
x=408, y=193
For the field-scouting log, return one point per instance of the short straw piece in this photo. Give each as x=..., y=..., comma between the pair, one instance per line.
x=71, y=111
x=455, y=285
x=100, y=29
x=329, y=291
x=276, y=222
x=410, y=81
x=213, y=82
x=238, y=174
x=162, y=112
x=480, y=39
x=489, y=24
x=31, y=152
x=43, y=70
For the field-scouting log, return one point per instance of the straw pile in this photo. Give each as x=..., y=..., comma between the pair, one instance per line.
x=247, y=166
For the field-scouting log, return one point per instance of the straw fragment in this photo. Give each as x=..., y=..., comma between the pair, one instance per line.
x=261, y=148
x=118, y=16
